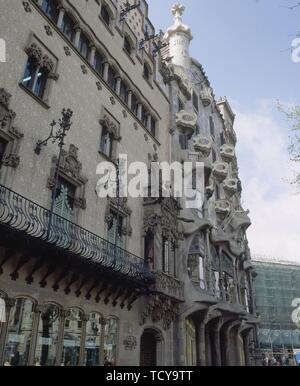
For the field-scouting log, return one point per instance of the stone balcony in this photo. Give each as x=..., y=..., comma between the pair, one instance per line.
x=203, y=145
x=227, y=153
x=168, y=286
x=186, y=122
x=206, y=97
x=222, y=207
x=230, y=186
x=220, y=171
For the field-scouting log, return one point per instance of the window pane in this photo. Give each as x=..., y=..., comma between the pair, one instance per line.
x=98, y=63
x=93, y=341
x=3, y=145
x=84, y=44
x=46, y=348
x=41, y=81
x=19, y=333
x=110, y=342
x=127, y=45
x=115, y=229
x=51, y=9
x=105, y=14
x=72, y=338
x=29, y=74
x=106, y=142
x=68, y=27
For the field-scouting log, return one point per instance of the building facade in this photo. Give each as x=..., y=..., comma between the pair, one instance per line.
x=277, y=288
x=124, y=281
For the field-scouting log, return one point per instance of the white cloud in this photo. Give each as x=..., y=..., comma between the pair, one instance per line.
x=265, y=169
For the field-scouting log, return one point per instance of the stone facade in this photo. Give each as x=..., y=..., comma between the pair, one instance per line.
x=97, y=279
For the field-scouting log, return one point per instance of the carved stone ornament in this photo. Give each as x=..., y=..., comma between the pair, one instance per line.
x=35, y=52
x=26, y=6
x=111, y=126
x=203, y=145
x=186, y=122
x=130, y=343
x=160, y=309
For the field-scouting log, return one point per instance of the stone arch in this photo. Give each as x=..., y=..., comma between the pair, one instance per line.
x=151, y=347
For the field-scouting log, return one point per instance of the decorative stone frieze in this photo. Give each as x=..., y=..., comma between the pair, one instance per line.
x=130, y=343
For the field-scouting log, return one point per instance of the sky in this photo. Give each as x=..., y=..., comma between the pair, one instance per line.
x=245, y=48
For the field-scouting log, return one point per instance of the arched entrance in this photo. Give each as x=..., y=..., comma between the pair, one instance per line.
x=151, y=347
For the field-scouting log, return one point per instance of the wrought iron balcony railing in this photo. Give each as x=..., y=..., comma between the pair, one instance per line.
x=169, y=286
x=26, y=216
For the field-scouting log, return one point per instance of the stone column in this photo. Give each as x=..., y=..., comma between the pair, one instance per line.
x=38, y=309
x=103, y=324
x=60, y=340
x=201, y=345
x=149, y=123
x=61, y=15
x=92, y=55
x=139, y=111
x=85, y=319
x=223, y=295
x=10, y=302
x=77, y=36
x=217, y=345
x=118, y=85
x=129, y=98
x=105, y=71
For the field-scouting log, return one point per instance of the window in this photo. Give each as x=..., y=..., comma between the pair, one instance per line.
x=149, y=247
x=217, y=192
x=115, y=229
x=112, y=78
x=98, y=63
x=84, y=46
x=184, y=141
x=49, y=324
x=146, y=72
x=20, y=329
x=66, y=188
x=3, y=145
x=67, y=27
x=153, y=127
x=127, y=45
x=105, y=14
x=134, y=104
x=110, y=342
x=216, y=277
x=212, y=126
x=196, y=267
x=166, y=257
x=51, y=9
x=173, y=259
x=180, y=105
x=35, y=77
x=144, y=116
x=201, y=272
x=93, y=340
x=195, y=101
x=222, y=139
x=214, y=155
x=124, y=92
x=106, y=142
x=72, y=338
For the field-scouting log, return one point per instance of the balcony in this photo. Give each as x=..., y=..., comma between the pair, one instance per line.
x=227, y=153
x=220, y=171
x=169, y=286
x=203, y=145
x=230, y=186
x=31, y=220
x=186, y=122
x=222, y=208
x=206, y=97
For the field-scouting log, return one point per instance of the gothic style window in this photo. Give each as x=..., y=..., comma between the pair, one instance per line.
x=112, y=78
x=105, y=14
x=184, y=141
x=180, y=105
x=110, y=341
x=166, y=256
x=196, y=261
x=67, y=188
x=153, y=127
x=92, y=354
x=134, y=104
x=84, y=46
x=146, y=72
x=50, y=7
x=98, y=63
x=67, y=27
x=212, y=126
x=72, y=338
x=124, y=92
x=173, y=259
x=115, y=228
x=49, y=324
x=127, y=45
x=3, y=145
x=149, y=247
x=144, y=116
x=106, y=142
x=20, y=326
x=195, y=101
x=35, y=77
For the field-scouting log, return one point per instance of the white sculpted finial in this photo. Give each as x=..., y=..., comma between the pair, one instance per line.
x=177, y=10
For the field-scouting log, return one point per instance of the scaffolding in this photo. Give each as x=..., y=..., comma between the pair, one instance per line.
x=277, y=286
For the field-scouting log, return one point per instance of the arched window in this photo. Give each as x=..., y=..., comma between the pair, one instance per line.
x=92, y=353
x=46, y=347
x=72, y=337
x=196, y=261
x=212, y=126
x=112, y=78
x=98, y=63
x=146, y=71
x=124, y=92
x=127, y=45
x=144, y=116
x=106, y=145
x=68, y=27
x=134, y=104
x=50, y=7
x=153, y=127
x=19, y=337
x=84, y=46
x=105, y=14
x=149, y=247
x=110, y=341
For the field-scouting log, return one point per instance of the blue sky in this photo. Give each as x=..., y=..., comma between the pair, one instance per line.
x=244, y=46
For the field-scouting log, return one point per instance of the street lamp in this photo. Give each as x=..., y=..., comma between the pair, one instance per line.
x=58, y=137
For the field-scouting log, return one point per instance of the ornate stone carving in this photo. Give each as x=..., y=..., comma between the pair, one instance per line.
x=47, y=63
x=83, y=69
x=48, y=30
x=203, y=145
x=220, y=171
x=26, y=6
x=67, y=51
x=11, y=160
x=169, y=286
x=112, y=100
x=160, y=309
x=186, y=122
x=227, y=153
x=111, y=126
x=99, y=86
x=130, y=343
x=34, y=52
